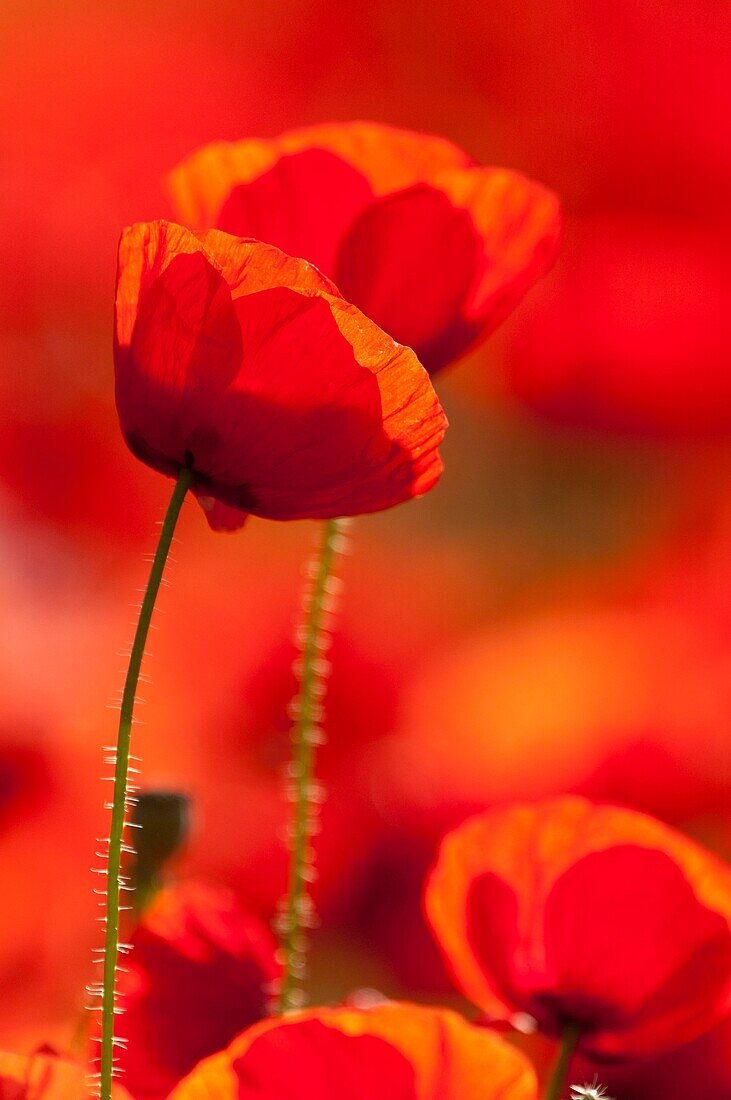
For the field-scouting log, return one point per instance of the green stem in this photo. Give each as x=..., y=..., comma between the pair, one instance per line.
x=569, y=1039
x=119, y=801
x=297, y=907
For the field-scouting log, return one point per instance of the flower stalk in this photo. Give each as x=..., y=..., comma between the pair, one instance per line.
x=557, y=1083
x=297, y=911
x=116, y=882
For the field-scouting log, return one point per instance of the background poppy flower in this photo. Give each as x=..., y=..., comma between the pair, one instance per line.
x=435, y=248
x=52, y=913
x=45, y=1076
x=588, y=916
x=608, y=698
x=246, y=365
x=198, y=973
x=399, y=1051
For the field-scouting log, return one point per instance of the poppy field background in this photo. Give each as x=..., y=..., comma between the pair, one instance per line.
x=555, y=617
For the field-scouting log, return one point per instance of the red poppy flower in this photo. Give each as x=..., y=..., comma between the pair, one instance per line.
x=435, y=248
x=586, y=915
x=396, y=1051
x=195, y=977
x=45, y=1076
x=249, y=367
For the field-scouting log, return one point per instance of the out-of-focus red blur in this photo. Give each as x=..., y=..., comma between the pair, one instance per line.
x=555, y=617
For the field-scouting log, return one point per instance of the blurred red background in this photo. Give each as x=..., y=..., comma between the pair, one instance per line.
x=555, y=616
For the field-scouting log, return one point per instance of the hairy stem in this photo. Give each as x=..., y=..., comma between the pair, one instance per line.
x=120, y=797
x=297, y=914
x=557, y=1083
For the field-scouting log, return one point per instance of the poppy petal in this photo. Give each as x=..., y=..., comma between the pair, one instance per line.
x=331, y=1062
x=146, y=249
x=409, y=262
x=220, y=517
x=326, y=434
x=390, y=158
x=386, y=157
x=185, y=343
x=674, y=952
x=302, y=204
x=518, y=224
x=249, y=265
